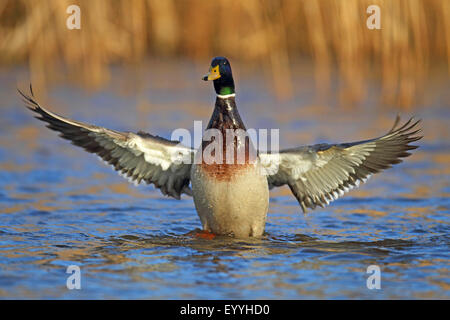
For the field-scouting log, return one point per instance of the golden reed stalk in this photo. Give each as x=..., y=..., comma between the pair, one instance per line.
x=415, y=36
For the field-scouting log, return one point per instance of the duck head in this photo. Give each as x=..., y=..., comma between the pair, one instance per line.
x=220, y=74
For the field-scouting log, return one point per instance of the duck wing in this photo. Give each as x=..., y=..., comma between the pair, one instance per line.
x=136, y=156
x=321, y=173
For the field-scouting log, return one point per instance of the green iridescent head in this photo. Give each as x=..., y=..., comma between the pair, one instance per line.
x=220, y=74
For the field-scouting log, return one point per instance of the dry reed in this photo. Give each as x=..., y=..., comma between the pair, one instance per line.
x=415, y=36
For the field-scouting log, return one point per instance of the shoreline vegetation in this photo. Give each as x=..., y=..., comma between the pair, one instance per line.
x=267, y=36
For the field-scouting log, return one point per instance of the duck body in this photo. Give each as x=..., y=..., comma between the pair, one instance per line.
x=231, y=197
x=236, y=206
x=230, y=179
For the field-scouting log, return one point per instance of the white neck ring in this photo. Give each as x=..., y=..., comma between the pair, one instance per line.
x=226, y=96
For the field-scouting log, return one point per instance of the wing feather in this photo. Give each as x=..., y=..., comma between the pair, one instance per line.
x=321, y=173
x=136, y=156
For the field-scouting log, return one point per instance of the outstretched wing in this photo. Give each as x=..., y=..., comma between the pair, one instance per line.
x=321, y=173
x=139, y=157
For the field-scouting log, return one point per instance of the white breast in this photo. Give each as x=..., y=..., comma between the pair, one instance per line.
x=236, y=204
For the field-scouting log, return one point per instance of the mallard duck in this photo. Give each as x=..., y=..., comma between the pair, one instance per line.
x=232, y=198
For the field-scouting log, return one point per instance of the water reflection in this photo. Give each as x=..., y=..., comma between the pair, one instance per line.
x=60, y=206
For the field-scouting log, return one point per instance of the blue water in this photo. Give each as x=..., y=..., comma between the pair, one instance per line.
x=60, y=206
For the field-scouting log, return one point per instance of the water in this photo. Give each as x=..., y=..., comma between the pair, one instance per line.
x=60, y=206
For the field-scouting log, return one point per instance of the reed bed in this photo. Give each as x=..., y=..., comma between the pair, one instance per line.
x=413, y=40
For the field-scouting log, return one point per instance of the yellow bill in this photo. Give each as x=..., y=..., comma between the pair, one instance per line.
x=213, y=74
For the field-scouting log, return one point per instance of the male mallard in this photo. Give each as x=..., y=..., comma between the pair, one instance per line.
x=233, y=198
